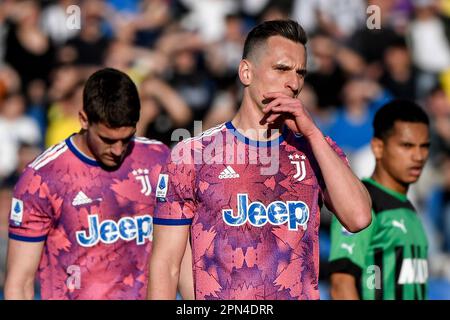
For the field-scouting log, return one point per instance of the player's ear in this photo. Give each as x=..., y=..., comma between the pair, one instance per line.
x=377, y=146
x=245, y=72
x=82, y=116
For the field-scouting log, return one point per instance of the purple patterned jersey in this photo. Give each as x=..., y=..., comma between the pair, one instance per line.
x=96, y=224
x=254, y=211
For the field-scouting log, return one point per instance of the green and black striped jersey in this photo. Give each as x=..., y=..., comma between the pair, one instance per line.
x=389, y=257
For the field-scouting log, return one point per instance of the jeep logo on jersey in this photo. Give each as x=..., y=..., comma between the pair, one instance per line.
x=109, y=231
x=295, y=213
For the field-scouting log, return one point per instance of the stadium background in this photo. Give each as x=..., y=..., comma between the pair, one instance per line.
x=183, y=55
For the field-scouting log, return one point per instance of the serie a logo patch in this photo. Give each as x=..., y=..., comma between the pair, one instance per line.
x=16, y=216
x=162, y=187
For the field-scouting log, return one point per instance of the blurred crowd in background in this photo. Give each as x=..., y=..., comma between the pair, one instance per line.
x=183, y=56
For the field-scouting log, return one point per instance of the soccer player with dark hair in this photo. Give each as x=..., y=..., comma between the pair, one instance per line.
x=82, y=211
x=254, y=233
x=387, y=260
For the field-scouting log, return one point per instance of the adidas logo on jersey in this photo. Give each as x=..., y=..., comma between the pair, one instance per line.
x=81, y=198
x=228, y=173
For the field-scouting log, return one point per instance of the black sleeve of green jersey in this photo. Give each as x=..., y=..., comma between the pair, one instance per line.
x=345, y=265
x=348, y=250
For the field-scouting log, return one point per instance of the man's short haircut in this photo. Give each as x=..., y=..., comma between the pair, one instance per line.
x=288, y=29
x=397, y=110
x=110, y=97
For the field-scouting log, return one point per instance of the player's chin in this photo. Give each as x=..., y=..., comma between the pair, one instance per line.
x=411, y=178
x=110, y=162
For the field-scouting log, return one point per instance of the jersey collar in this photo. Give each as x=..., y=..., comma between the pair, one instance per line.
x=400, y=196
x=255, y=143
x=80, y=155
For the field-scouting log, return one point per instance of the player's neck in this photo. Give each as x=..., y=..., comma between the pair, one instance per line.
x=248, y=121
x=385, y=179
x=80, y=142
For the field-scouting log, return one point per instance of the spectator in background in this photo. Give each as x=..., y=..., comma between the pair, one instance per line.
x=438, y=106
x=63, y=115
x=322, y=116
x=90, y=45
x=207, y=17
x=15, y=128
x=352, y=126
x=427, y=35
x=65, y=102
x=26, y=153
x=126, y=8
x=28, y=49
x=9, y=81
x=5, y=12
x=192, y=82
x=154, y=16
x=343, y=18
x=162, y=111
x=37, y=104
x=142, y=21
x=399, y=77
x=326, y=76
x=253, y=8
x=371, y=44
x=274, y=11
x=223, y=107
x=307, y=12
x=400, y=15
x=224, y=56
x=437, y=221
x=438, y=206
x=444, y=9
x=53, y=18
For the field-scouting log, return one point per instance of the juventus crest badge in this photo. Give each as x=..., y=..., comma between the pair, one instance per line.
x=142, y=176
x=299, y=164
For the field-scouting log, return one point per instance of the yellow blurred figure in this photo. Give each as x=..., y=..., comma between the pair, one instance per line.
x=63, y=117
x=445, y=81
x=445, y=7
x=60, y=125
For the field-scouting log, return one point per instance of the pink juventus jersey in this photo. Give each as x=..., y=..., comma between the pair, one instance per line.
x=96, y=224
x=254, y=232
